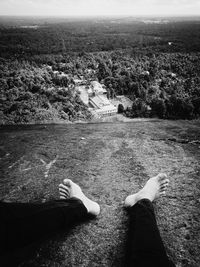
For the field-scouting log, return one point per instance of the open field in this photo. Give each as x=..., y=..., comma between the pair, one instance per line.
x=109, y=161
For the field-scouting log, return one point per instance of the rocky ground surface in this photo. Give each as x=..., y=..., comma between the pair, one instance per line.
x=109, y=161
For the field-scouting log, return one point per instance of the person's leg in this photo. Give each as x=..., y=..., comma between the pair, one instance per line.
x=24, y=223
x=144, y=244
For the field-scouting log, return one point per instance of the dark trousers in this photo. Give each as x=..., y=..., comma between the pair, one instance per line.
x=23, y=223
x=144, y=244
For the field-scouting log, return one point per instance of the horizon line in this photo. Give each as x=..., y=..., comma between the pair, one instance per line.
x=99, y=16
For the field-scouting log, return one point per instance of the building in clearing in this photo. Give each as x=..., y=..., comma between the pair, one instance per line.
x=94, y=95
x=97, y=88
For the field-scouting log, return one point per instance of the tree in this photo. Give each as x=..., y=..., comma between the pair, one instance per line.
x=158, y=107
x=120, y=108
x=139, y=108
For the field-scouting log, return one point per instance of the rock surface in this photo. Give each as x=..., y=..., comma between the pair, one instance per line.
x=109, y=161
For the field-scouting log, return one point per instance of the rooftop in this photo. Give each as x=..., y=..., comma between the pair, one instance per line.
x=97, y=87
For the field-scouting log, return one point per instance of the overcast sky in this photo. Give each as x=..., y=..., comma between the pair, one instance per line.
x=99, y=7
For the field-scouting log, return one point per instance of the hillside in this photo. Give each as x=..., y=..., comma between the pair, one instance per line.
x=109, y=161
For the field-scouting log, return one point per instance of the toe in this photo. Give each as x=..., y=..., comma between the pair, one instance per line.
x=164, y=183
x=163, y=188
x=162, y=176
x=62, y=197
x=67, y=182
x=64, y=187
x=64, y=191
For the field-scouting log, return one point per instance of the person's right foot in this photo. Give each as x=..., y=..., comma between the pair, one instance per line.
x=154, y=187
x=69, y=189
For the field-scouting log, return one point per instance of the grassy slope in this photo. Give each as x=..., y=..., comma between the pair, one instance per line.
x=112, y=161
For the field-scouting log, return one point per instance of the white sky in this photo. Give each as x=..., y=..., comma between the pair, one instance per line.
x=99, y=7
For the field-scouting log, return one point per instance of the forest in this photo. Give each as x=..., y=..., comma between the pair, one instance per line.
x=155, y=64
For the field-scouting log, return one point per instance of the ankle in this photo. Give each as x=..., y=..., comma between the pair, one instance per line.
x=144, y=195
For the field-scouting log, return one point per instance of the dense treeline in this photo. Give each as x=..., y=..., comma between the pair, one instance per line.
x=161, y=79
x=32, y=94
x=94, y=36
x=167, y=83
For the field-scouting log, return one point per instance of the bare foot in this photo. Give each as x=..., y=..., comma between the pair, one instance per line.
x=69, y=189
x=154, y=188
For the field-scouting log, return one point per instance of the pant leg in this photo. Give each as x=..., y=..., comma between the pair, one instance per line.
x=24, y=223
x=145, y=247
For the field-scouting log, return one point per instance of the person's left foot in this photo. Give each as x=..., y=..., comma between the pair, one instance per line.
x=154, y=188
x=69, y=189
